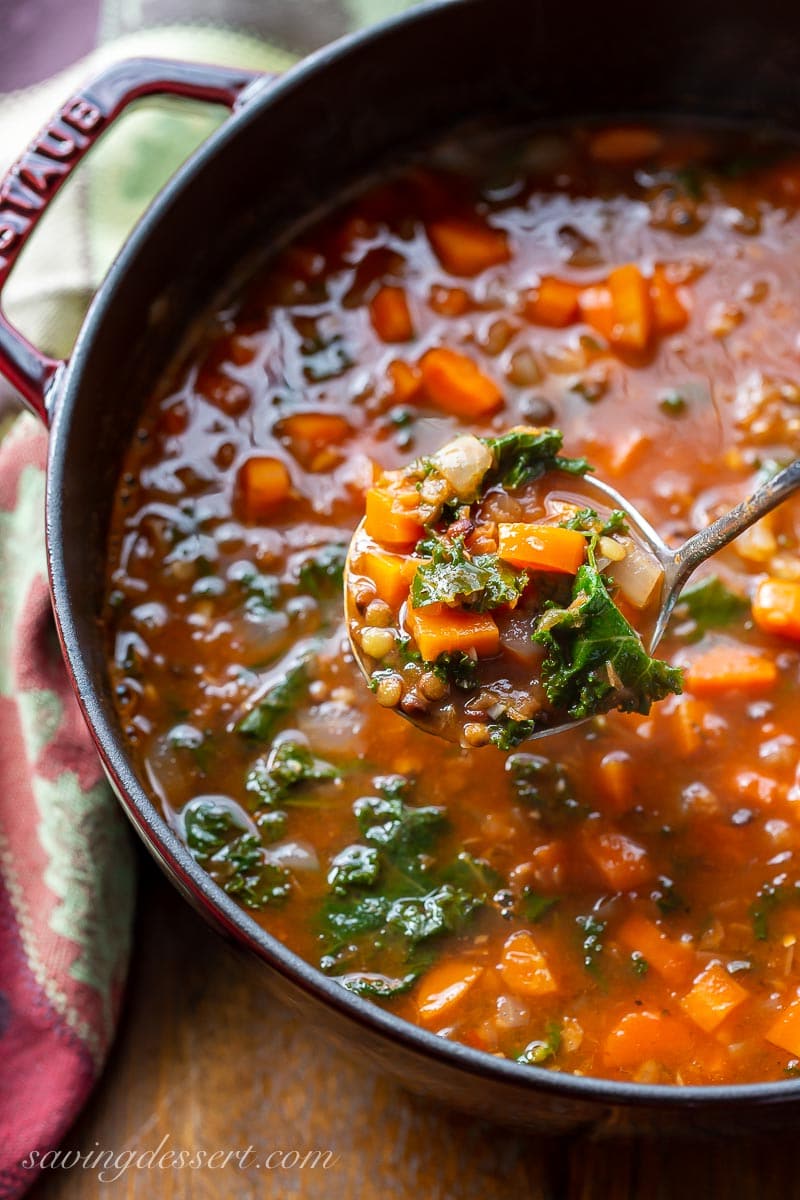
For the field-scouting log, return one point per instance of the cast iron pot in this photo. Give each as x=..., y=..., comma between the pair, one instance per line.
x=291, y=145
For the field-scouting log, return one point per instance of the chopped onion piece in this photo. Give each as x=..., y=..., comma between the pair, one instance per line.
x=297, y=856
x=463, y=463
x=758, y=543
x=512, y=1013
x=637, y=575
x=332, y=727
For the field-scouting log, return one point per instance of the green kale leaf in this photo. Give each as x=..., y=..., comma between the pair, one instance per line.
x=356, y=866
x=592, y=945
x=522, y=456
x=473, y=875
x=271, y=824
x=233, y=856
x=261, y=591
x=346, y=919
x=242, y=870
x=538, y=1052
x=595, y=660
x=770, y=897
x=389, y=901
x=458, y=668
x=282, y=697
x=196, y=742
x=506, y=732
x=667, y=897
x=378, y=987
x=402, y=924
x=323, y=574
x=709, y=604
x=587, y=520
x=208, y=825
x=443, y=910
x=401, y=831
x=453, y=576
x=274, y=778
x=535, y=907
x=545, y=787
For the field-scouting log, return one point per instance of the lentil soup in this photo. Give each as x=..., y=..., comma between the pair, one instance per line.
x=625, y=900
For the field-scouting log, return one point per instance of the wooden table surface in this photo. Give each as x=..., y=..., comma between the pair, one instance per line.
x=207, y=1059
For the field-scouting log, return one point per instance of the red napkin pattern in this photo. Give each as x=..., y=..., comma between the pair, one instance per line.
x=66, y=857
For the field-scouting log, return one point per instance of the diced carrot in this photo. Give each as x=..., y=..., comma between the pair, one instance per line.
x=714, y=995
x=555, y=302
x=314, y=429
x=456, y=384
x=524, y=968
x=670, y=959
x=623, y=863
x=642, y=1036
x=406, y=380
x=625, y=144
x=387, y=524
x=776, y=607
x=229, y=394
x=597, y=310
x=437, y=629
x=448, y=302
x=467, y=247
x=542, y=547
x=668, y=312
x=687, y=722
x=628, y=451
x=263, y=484
x=615, y=778
x=391, y=573
x=726, y=667
x=321, y=428
x=444, y=987
x=785, y=1032
x=390, y=315
x=633, y=310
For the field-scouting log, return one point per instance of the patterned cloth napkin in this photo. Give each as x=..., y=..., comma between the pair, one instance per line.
x=66, y=877
x=66, y=858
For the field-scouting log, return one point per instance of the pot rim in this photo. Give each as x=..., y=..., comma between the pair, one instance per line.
x=145, y=816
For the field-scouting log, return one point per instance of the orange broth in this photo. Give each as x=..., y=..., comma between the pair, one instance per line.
x=622, y=899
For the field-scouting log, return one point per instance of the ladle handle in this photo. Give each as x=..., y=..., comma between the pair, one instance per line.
x=722, y=531
x=39, y=173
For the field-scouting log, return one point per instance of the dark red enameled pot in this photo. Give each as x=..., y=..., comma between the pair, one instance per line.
x=290, y=146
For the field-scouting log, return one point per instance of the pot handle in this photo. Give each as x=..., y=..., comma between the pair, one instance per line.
x=40, y=172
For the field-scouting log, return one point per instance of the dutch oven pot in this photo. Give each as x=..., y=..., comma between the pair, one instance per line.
x=290, y=146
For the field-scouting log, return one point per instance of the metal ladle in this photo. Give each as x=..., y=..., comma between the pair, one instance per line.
x=678, y=565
